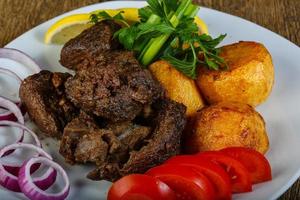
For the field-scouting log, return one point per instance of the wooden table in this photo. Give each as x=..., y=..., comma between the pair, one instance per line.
x=281, y=16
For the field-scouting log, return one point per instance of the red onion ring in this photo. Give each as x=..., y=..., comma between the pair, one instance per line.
x=13, y=111
x=12, y=108
x=10, y=73
x=8, y=114
x=31, y=190
x=20, y=57
x=23, y=128
x=10, y=181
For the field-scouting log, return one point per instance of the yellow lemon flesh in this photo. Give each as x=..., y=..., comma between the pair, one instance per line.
x=67, y=28
x=202, y=26
x=70, y=26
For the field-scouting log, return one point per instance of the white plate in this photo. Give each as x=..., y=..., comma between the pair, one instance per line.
x=281, y=112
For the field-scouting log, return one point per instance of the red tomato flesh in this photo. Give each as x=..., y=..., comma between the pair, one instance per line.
x=257, y=165
x=238, y=173
x=216, y=174
x=140, y=187
x=186, y=183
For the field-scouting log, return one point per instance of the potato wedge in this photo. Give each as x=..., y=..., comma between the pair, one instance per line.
x=227, y=124
x=178, y=87
x=248, y=80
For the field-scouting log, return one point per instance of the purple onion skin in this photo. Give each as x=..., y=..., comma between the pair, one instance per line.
x=10, y=184
x=14, y=170
x=11, y=116
x=35, y=195
x=46, y=183
x=13, y=184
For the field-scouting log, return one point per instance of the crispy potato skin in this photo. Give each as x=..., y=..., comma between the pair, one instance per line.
x=249, y=78
x=178, y=87
x=227, y=124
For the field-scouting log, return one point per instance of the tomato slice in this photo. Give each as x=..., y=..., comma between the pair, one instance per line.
x=186, y=183
x=257, y=165
x=238, y=173
x=216, y=174
x=140, y=187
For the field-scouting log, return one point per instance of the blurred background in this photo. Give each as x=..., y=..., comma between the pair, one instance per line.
x=280, y=16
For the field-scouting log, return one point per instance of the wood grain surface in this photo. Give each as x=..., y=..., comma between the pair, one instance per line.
x=280, y=16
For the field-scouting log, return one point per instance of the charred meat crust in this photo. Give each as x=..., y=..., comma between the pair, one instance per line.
x=163, y=143
x=44, y=98
x=165, y=140
x=117, y=91
x=85, y=141
x=73, y=132
x=88, y=48
x=112, y=112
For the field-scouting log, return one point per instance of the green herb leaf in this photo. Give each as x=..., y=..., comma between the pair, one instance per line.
x=155, y=31
x=157, y=7
x=94, y=18
x=127, y=36
x=103, y=15
x=144, y=13
x=167, y=30
x=171, y=5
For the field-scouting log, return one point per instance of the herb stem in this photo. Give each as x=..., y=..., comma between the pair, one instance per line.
x=153, y=19
x=192, y=10
x=154, y=46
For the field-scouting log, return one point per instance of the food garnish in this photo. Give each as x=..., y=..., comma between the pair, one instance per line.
x=238, y=173
x=67, y=28
x=13, y=176
x=10, y=175
x=167, y=30
x=72, y=25
x=20, y=57
x=215, y=174
x=32, y=190
x=218, y=176
x=257, y=165
x=13, y=111
x=139, y=186
x=186, y=183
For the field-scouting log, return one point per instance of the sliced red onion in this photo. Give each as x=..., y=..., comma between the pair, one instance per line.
x=10, y=73
x=12, y=108
x=15, y=168
x=10, y=181
x=20, y=57
x=13, y=111
x=31, y=190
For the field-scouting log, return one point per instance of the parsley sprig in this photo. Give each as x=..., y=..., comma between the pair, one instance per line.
x=167, y=30
x=102, y=15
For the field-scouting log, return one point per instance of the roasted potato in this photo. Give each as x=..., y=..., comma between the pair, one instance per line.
x=178, y=87
x=227, y=124
x=248, y=80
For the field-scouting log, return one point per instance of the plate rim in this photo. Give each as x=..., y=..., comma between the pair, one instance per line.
x=294, y=177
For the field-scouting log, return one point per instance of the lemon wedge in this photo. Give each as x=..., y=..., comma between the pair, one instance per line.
x=66, y=28
x=70, y=26
x=202, y=25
